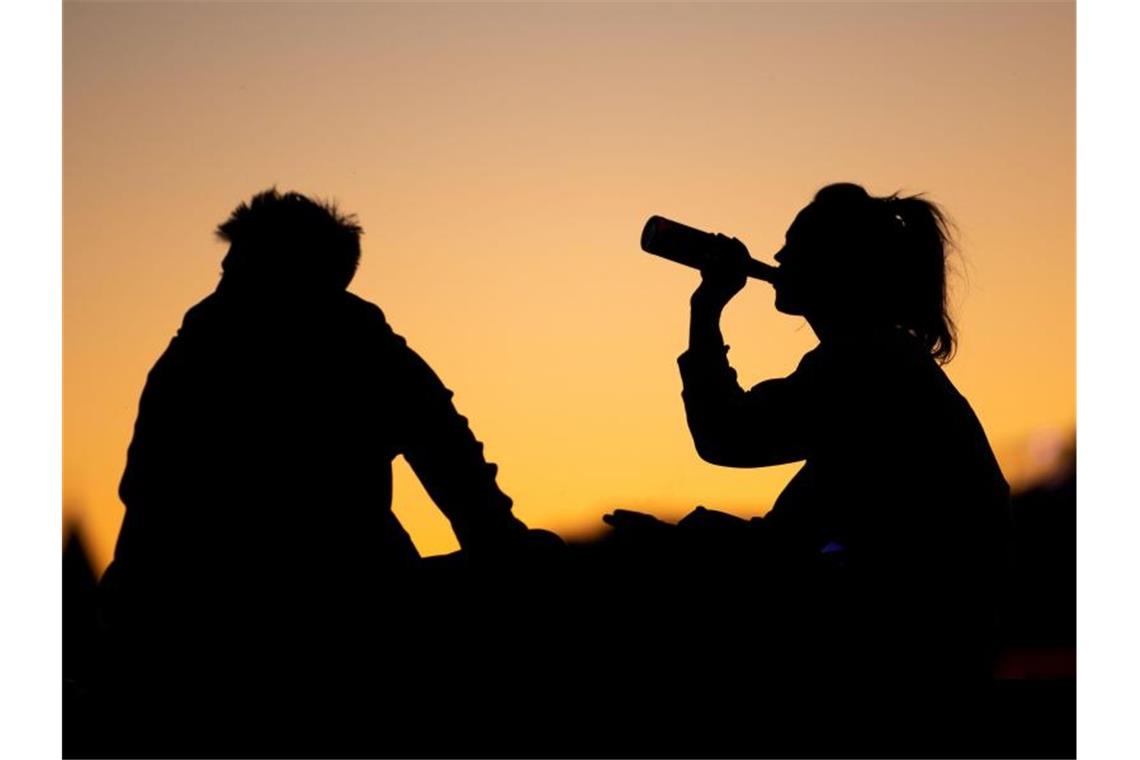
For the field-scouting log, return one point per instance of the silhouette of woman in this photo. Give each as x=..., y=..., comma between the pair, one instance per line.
x=898, y=479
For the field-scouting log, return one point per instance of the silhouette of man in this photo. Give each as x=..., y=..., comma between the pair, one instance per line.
x=258, y=482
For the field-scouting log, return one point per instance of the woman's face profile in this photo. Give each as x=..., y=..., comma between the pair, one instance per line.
x=816, y=278
x=800, y=261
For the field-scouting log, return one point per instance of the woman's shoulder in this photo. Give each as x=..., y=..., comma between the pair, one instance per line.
x=887, y=373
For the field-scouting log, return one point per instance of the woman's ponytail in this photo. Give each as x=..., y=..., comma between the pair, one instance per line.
x=900, y=246
x=925, y=243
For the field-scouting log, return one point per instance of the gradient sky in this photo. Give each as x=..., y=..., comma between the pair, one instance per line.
x=502, y=159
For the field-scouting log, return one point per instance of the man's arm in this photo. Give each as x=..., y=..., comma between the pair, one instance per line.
x=443, y=452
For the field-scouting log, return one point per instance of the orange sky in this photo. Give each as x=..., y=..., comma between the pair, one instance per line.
x=502, y=160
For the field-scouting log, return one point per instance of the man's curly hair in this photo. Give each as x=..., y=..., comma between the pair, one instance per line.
x=280, y=238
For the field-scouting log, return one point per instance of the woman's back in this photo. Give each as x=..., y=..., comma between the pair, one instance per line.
x=889, y=444
x=902, y=485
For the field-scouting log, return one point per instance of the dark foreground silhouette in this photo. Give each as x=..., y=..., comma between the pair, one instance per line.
x=263, y=600
x=606, y=648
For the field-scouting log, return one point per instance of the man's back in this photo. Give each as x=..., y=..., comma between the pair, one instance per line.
x=255, y=444
x=258, y=481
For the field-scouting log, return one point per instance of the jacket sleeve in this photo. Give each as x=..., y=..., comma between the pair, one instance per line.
x=767, y=425
x=438, y=444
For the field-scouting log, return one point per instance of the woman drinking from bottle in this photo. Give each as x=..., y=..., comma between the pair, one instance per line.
x=898, y=477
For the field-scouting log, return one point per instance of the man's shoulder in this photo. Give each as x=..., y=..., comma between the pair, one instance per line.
x=363, y=317
x=364, y=323
x=356, y=307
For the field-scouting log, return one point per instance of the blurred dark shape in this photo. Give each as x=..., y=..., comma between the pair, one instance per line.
x=83, y=653
x=1041, y=612
x=1034, y=691
x=79, y=605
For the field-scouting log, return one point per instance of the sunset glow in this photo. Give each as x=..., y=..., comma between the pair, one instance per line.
x=502, y=160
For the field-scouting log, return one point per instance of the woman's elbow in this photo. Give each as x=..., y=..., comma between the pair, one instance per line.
x=743, y=450
x=719, y=452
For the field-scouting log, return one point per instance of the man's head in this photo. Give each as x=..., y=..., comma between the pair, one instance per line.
x=286, y=240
